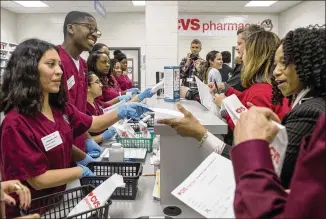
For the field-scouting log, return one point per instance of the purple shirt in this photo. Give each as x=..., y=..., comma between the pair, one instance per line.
x=23, y=154
x=96, y=110
x=259, y=193
x=109, y=93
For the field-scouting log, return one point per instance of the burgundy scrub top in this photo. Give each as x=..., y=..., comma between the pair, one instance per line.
x=124, y=82
x=22, y=151
x=75, y=84
x=109, y=93
x=96, y=110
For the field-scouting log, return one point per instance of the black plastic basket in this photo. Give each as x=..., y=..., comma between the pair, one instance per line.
x=103, y=170
x=59, y=205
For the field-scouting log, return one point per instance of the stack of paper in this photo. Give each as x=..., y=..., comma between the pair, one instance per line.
x=206, y=98
x=129, y=153
x=157, y=186
x=210, y=188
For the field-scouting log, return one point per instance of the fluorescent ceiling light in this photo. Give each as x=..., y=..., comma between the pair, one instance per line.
x=259, y=3
x=138, y=3
x=32, y=4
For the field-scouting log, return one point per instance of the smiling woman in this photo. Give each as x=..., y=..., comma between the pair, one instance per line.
x=41, y=125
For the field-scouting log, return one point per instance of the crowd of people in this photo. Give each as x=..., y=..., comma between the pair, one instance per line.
x=55, y=102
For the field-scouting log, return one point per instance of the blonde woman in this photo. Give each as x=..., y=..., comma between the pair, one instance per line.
x=256, y=75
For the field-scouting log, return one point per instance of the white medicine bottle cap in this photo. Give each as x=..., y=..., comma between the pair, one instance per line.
x=116, y=145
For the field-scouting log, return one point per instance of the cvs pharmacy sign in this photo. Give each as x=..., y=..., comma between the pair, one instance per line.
x=222, y=25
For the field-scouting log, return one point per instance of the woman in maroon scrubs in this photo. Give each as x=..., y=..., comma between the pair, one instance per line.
x=112, y=93
x=38, y=130
x=124, y=82
x=95, y=107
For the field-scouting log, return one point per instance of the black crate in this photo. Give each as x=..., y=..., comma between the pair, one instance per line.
x=59, y=205
x=103, y=170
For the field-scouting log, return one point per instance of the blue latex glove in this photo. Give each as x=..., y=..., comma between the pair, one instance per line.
x=134, y=90
x=145, y=94
x=108, y=134
x=88, y=159
x=92, y=148
x=132, y=110
x=86, y=171
x=124, y=97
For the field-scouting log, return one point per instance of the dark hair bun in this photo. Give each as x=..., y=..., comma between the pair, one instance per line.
x=116, y=52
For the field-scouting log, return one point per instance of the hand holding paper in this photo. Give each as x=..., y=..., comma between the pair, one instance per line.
x=188, y=126
x=259, y=128
x=256, y=124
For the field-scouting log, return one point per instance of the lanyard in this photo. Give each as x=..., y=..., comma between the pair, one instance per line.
x=300, y=96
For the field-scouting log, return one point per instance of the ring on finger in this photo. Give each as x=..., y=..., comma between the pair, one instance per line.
x=18, y=187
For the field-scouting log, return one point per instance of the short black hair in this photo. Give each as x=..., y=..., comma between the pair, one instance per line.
x=226, y=56
x=21, y=88
x=196, y=41
x=305, y=48
x=74, y=17
x=119, y=55
x=97, y=47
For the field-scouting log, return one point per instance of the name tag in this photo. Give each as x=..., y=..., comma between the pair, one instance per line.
x=190, y=79
x=71, y=82
x=107, y=110
x=51, y=141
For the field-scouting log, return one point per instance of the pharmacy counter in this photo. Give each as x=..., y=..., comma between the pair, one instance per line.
x=181, y=156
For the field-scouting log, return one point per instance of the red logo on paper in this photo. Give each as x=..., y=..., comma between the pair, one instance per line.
x=240, y=110
x=94, y=200
x=275, y=155
x=182, y=191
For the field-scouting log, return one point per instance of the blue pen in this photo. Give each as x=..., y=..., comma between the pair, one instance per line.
x=216, y=86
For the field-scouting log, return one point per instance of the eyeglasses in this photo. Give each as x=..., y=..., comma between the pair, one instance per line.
x=91, y=28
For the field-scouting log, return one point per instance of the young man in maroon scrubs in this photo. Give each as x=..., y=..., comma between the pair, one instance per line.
x=80, y=34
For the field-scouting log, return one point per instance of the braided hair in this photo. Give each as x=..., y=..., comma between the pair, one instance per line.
x=305, y=48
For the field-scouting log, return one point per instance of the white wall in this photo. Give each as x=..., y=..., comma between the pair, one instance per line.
x=118, y=30
x=302, y=15
x=8, y=26
x=219, y=40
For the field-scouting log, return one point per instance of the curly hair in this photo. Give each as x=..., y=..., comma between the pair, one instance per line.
x=305, y=48
x=105, y=79
x=21, y=88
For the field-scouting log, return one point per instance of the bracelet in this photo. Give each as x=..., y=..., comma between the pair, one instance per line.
x=203, y=139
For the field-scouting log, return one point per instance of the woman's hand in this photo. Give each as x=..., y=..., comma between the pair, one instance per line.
x=188, y=126
x=256, y=124
x=213, y=89
x=15, y=186
x=218, y=99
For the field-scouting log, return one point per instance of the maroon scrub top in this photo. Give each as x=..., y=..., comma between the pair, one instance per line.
x=22, y=152
x=77, y=92
x=96, y=110
x=259, y=192
x=109, y=93
x=124, y=82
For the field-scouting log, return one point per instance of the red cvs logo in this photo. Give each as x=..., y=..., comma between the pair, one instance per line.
x=182, y=191
x=94, y=200
x=240, y=109
x=275, y=155
x=194, y=24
